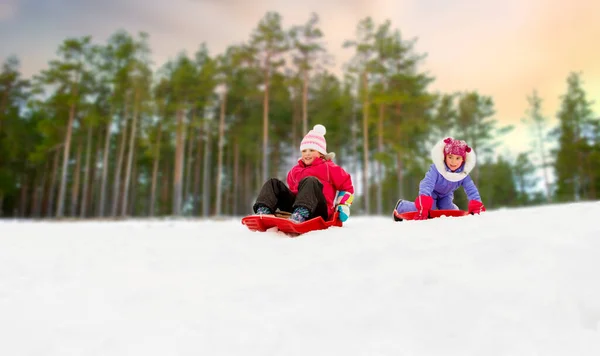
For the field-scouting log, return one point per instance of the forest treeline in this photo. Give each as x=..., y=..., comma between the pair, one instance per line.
x=98, y=133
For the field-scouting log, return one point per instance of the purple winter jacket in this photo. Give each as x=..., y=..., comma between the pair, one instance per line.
x=440, y=182
x=438, y=187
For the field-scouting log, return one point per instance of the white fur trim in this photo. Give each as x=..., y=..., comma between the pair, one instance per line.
x=329, y=156
x=438, y=157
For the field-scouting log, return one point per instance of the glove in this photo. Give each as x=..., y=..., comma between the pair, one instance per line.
x=344, y=212
x=423, y=204
x=476, y=207
x=343, y=201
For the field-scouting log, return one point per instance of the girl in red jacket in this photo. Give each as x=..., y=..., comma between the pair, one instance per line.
x=313, y=184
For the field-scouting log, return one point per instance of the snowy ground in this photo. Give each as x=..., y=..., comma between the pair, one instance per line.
x=509, y=282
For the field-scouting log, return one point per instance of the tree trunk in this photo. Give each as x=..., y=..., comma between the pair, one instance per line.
x=296, y=117
x=76, y=177
x=117, y=179
x=399, y=160
x=236, y=178
x=354, y=144
x=133, y=187
x=166, y=187
x=86, y=176
x=103, y=185
x=227, y=191
x=221, y=144
x=66, y=152
x=24, y=195
x=155, y=169
x=257, y=178
x=136, y=104
x=189, y=158
x=380, y=168
x=265, y=147
x=366, y=142
x=52, y=189
x=95, y=178
x=207, y=172
x=178, y=169
x=197, y=165
x=305, y=102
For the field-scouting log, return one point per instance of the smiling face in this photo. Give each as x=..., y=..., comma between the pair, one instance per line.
x=453, y=162
x=309, y=155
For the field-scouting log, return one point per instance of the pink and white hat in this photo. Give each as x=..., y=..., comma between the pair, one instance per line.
x=315, y=139
x=456, y=147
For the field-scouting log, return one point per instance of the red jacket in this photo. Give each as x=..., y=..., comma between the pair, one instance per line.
x=333, y=177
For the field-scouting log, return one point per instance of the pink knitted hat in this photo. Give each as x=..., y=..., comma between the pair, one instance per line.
x=315, y=139
x=456, y=147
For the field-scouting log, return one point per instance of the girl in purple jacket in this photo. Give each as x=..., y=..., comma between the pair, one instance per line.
x=453, y=160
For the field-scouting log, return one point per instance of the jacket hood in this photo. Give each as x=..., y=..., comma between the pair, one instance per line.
x=438, y=158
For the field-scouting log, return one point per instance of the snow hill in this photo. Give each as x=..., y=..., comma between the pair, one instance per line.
x=508, y=282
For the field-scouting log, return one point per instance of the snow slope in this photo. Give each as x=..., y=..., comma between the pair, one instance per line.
x=508, y=282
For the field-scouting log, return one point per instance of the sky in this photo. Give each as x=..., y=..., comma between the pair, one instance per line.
x=507, y=282
x=503, y=49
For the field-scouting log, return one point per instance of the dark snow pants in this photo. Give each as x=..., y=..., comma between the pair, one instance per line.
x=274, y=194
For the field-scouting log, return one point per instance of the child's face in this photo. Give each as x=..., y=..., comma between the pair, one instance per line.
x=454, y=162
x=309, y=155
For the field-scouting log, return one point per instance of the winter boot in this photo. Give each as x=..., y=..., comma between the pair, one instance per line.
x=396, y=218
x=263, y=210
x=300, y=215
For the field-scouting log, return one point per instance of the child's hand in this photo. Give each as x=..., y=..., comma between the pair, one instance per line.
x=344, y=198
x=423, y=204
x=343, y=201
x=343, y=212
x=476, y=207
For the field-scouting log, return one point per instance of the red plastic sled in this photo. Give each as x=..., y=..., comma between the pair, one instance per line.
x=284, y=224
x=433, y=214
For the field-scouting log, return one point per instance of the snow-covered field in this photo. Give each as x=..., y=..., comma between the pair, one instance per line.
x=508, y=282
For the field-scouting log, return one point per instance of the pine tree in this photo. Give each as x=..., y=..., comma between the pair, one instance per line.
x=577, y=135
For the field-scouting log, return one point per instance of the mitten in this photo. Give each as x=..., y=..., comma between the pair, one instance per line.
x=343, y=201
x=476, y=207
x=423, y=204
x=343, y=212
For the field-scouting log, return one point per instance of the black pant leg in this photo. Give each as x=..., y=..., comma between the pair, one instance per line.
x=275, y=194
x=310, y=196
